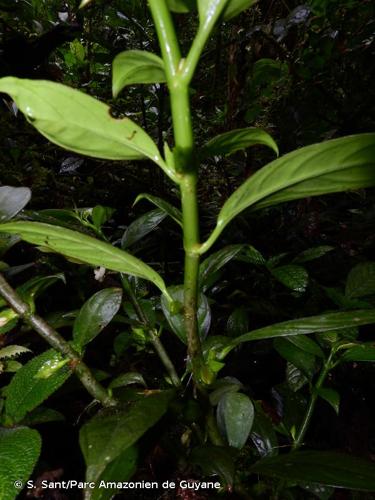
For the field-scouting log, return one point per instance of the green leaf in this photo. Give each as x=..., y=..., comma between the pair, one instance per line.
x=294, y=277
x=12, y=201
x=95, y=314
x=312, y=254
x=209, y=12
x=218, y=460
x=128, y=379
x=19, y=452
x=84, y=248
x=112, y=431
x=328, y=167
x=238, y=322
x=363, y=352
x=235, y=417
x=222, y=387
x=12, y=351
x=228, y=143
x=235, y=7
x=361, y=280
x=142, y=226
x=262, y=434
x=100, y=215
x=215, y=262
x=78, y=122
x=42, y=415
x=295, y=377
x=306, y=344
x=176, y=319
x=331, y=396
x=299, y=358
x=323, y=467
x=136, y=66
x=169, y=209
x=182, y=6
x=26, y=391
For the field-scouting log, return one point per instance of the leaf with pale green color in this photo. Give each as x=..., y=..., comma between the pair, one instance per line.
x=19, y=452
x=218, y=460
x=12, y=351
x=176, y=319
x=136, y=66
x=209, y=12
x=228, y=143
x=79, y=122
x=12, y=201
x=361, y=280
x=238, y=322
x=235, y=417
x=182, y=6
x=26, y=391
x=112, y=431
x=127, y=379
x=362, y=352
x=142, y=226
x=329, y=167
x=312, y=254
x=84, y=248
x=294, y=277
x=299, y=358
x=169, y=209
x=95, y=314
x=215, y=262
x=331, y=396
x=235, y=7
x=323, y=467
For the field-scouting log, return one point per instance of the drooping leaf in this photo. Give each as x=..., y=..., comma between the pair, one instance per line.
x=169, y=209
x=329, y=167
x=19, y=452
x=299, y=358
x=362, y=352
x=331, y=396
x=235, y=417
x=142, y=226
x=78, y=122
x=216, y=261
x=128, y=379
x=12, y=201
x=95, y=314
x=312, y=254
x=218, y=460
x=294, y=277
x=83, y=248
x=112, y=431
x=235, y=7
x=26, y=391
x=228, y=143
x=361, y=280
x=323, y=467
x=136, y=66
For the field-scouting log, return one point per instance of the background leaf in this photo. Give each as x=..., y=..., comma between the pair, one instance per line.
x=361, y=280
x=235, y=417
x=12, y=201
x=169, y=209
x=142, y=226
x=294, y=277
x=235, y=7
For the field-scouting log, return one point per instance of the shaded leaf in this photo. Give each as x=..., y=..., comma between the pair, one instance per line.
x=169, y=209
x=12, y=201
x=263, y=435
x=42, y=415
x=294, y=277
x=312, y=254
x=295, y=377
x=218, y=460
x=235, y=7
x=235, y=417
x=128, y=379
x=331, y=396
x=216, y=261
x=222, y=387
x=299, y=358
x=142, y=226
x=182, y=6
x=361, y=280
x=363, y=352
x=238, y=322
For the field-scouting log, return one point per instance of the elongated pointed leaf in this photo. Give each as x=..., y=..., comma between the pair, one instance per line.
x=329, y=167
x=323, y=467
x=331, y=396
x=12, y=201
x=19, y=452
x=95, y=314
x=136, y=66
x=78, y=122
x=361, y=280
x=216, y=261
x=169, y=209
x=235, y=140
x=142, y=226
x=235, y=7
x=299, y=358
x=362, y=352
x=235, y=417
x=312, y=254
x=84, y=248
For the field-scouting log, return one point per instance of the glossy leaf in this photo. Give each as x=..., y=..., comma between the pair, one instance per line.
x=95, y=314
x=12, y=201
x=25, y=391
x=112, y=431
x=363, y=352
x=235, y=417
x=361, y=280
x=329, y=167
x=78, y=122
x=216, y=261
x=83, y=248
x=294, y=277
x=323, y=467
x=136, y=66
x=218, y=460
x=238, y=322
x=306, y=344
x=19, y=452
x=142, y=226
x=169, y=209
x=176, y=319
x=331, y=396
x=312, y=254
x=235, y=7
x=128, y=379
x=228, y=143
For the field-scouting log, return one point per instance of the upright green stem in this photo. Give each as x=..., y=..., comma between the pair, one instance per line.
x=298, y=441
x=56, y=341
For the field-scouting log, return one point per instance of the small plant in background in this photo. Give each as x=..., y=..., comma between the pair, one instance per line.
x=219, y=417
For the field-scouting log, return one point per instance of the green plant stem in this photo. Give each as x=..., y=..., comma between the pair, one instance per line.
x=56, y=341
x=155, y=341
x=298, y=441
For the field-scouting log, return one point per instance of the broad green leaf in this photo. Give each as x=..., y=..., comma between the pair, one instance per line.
x=262, y=434
x=299, y=358
x=294, y=277
x=328, y=167
x=112, y=431
x=19, y=452
x=363, y=352
x=26, y=391
x=238, y=322
x=218, y=460
x=142, y=226
x=361, y=280
x=222, y=387
x=79, y=122
x=323, y=467
x=176, y=319
x=331, y=396
x=228, y=143
x=83, y=248
x=312, y=254
x=136, y=66
x=182, y=6
x=12, y=201
x=169, y=209
x=235, y=7
x=235, y=417
x=128, y=379
x=95, y=314
x=215, y=262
